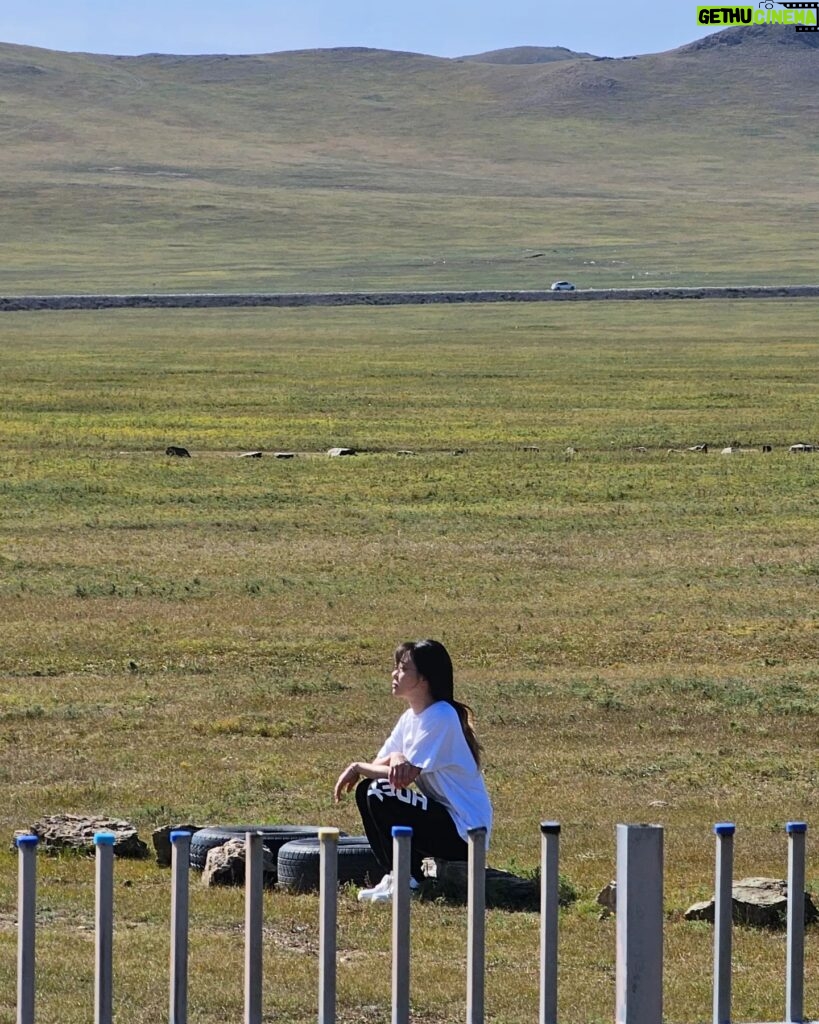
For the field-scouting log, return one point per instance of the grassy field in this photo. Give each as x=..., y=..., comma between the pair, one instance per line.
x=210, y=639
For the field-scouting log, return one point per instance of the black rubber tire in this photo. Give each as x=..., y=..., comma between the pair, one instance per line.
x=274, y=836
x=298, y=863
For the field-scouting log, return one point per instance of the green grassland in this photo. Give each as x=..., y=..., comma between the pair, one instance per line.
x=351, y=169
x=210, y=639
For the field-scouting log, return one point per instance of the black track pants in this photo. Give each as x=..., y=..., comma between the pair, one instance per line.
x=433, y=830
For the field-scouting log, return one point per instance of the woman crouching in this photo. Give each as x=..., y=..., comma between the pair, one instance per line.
x=433, y=747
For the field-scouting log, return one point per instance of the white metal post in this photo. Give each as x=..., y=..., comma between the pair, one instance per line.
x=795, y=983
x=723, y=921
x=401, y=854
x=549, y=906
x=104, y=930
x=476, y=926
x=180, y=867
x=639, y=971
x=26, y=926
x=328, y=917
x=254, y=892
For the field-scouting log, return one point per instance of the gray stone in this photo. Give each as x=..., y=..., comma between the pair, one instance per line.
x=758, y=902
x=225, y=865
x=161, y=838
x=449, y=880
x=607, y=898
x=60, y=832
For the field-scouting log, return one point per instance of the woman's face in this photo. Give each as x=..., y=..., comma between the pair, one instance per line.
x=406, y=679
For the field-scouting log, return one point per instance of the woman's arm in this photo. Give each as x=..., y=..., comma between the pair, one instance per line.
x=396, y=768
x=378, y=769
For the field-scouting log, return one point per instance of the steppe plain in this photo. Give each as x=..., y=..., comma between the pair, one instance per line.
x=634, y=623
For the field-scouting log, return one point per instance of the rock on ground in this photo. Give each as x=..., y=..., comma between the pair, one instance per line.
x=161, y=838
x=225, y=865
x=449, y=879
x=60, y=832
x=759, y=902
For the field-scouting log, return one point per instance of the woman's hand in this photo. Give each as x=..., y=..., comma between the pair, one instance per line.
x=347, y=780
x=402, y=773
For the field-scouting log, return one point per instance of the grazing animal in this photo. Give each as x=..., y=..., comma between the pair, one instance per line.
x=181, y=453
x=767, y=448
x=698, y=448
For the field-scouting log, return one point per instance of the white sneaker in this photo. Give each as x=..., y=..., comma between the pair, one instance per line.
x=382, y=893
x=384, y=886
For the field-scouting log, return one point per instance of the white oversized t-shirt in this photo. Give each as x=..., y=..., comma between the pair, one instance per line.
x=434, y=742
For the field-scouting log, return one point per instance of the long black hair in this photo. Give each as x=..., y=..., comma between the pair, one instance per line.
x=433, y=662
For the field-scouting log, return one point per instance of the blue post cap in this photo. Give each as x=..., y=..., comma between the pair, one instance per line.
x=27, y=840
x=104, y=839
x=179, y=834
x=725, y=828
x=796, y=827
x=401, y=830
x=550, y=828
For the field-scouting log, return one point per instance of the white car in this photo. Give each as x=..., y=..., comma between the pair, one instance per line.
x=562, y=286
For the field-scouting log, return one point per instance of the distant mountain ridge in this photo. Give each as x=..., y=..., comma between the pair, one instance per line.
x=514, y=55
x=526, y=55
x=358, y=91
x=357, y=168
x=763, y=36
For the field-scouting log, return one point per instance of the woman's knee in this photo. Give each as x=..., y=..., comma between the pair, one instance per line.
x=361, y=794
x=378, y=801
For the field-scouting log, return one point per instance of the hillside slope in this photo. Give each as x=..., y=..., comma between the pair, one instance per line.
x=526, y=55
x=355, y=168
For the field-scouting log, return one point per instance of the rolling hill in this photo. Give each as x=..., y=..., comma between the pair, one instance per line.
x=353, y=168
x=526, y=55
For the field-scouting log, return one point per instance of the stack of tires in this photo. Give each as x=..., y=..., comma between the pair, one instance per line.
x=295, y=850
x=273, y=838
